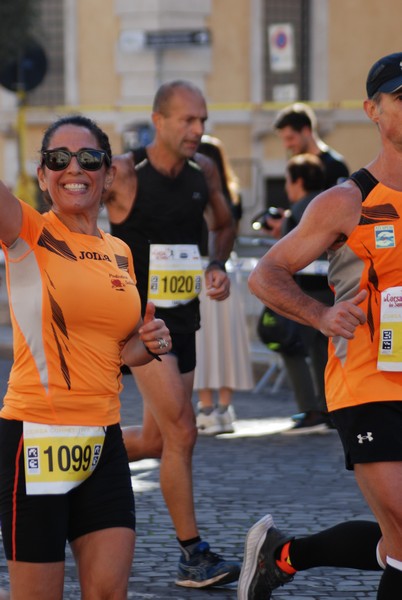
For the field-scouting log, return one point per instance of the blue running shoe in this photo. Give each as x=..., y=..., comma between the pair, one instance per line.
x=204, y=568
x=260, y=574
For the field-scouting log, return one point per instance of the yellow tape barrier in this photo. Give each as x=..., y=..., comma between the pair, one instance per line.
x=213, y=106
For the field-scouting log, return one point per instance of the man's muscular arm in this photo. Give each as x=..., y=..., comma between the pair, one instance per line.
x=330, y=216
x=221, y=226
x=221, y=229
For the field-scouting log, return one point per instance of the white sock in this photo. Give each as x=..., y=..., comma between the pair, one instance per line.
x=396, y=564
x=378, y=555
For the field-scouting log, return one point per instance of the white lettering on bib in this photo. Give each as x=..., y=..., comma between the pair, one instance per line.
x=390, y=344
x=175, y=274
x=59, y=457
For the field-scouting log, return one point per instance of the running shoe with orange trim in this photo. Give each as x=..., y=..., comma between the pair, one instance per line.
x=260, y=574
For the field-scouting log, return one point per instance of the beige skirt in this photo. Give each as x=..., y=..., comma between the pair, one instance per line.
x=223, y=352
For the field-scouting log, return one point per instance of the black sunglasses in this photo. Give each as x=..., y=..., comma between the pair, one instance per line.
x=89, y=159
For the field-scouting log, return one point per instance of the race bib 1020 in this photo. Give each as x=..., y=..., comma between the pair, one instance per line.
x=175, y=274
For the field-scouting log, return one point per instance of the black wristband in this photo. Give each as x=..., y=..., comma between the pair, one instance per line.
x=156, y=356
x=217, y=263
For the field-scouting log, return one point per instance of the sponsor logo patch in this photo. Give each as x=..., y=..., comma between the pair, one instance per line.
x=384, y=236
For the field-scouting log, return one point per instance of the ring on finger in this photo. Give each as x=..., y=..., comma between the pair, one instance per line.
x=162, y=343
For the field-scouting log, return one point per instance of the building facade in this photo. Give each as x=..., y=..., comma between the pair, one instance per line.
x=250, y=58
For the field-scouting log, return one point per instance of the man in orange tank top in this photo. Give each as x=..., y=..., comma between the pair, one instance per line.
x=358, y=223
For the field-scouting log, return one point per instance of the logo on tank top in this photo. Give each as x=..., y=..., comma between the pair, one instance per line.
x=119, y=282
x=384, y=236
x=365, y=438
x=83, y=255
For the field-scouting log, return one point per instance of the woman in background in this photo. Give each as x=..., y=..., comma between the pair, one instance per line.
x=223, y=356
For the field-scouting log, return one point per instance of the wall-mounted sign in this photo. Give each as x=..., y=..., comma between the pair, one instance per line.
x=135, y=40
x=285, y=92
x=179, y=37
x=281, y=47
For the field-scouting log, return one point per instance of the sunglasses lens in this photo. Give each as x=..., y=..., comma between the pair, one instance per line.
x=90, y=160
x=56, y=160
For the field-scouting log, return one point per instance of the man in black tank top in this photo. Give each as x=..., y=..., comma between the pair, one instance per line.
x=157, y=205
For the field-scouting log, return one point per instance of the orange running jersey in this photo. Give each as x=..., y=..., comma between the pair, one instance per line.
x=370, y=259
x=73, y=300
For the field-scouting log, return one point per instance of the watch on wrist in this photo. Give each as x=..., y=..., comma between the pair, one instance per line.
x=217, y=263
x=156, y=356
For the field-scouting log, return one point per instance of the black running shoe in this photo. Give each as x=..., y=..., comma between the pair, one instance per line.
x=312, y=422
x=260, y=574
x=203, y=568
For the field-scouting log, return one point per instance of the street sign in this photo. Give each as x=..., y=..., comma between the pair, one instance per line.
x=25, y=71
x=177, y=37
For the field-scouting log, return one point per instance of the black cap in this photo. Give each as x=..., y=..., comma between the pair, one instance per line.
x=385, y=75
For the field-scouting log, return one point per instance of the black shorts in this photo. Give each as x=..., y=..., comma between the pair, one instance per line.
x=370, y=432
x=35, y=528
x=183, y=347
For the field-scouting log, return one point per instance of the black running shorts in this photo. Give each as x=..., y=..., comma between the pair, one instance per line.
x=183, y=347
x=35, y=528
x=370, y=432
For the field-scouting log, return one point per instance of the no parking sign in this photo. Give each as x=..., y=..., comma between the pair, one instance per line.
x=281, y=47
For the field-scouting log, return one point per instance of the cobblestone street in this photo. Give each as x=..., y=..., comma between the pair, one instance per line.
x=238, y=478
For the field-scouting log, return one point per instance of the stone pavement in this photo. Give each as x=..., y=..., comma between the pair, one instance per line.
x=238, y=478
